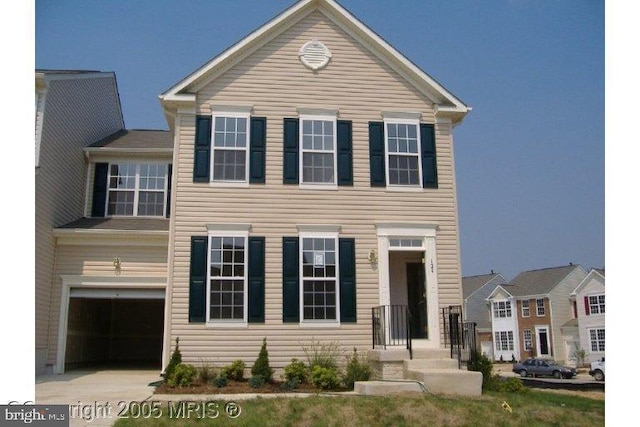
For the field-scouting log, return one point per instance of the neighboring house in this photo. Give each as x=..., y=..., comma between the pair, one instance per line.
x=313, y=181
x=529, y=312
x=110, y=274
x=589, y=310
x=73, y=109
x=475, y=290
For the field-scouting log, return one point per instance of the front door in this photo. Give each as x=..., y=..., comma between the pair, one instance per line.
x=543, y=341
x=417, y=299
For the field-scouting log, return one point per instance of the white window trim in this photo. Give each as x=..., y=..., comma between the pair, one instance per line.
x=313, y=322
x=508, y=313
x=524, y=339
x=228, y=231
x=510, y=343
x=599, y=313
x=137, y=189
x=236, y=113
x=318, y=185
x=528, y=308
x=407, y=121
x=591, y=341
x=544, y=309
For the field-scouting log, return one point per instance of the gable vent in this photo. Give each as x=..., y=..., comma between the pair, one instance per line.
x=314, y=55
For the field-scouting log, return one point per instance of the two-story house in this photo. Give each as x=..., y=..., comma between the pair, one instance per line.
x=73, y=109
x=528, y=313
x=313, y=181
x=475, y=290
x=588, y=304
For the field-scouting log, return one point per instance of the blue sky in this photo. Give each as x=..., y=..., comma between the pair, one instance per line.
x=529, y=157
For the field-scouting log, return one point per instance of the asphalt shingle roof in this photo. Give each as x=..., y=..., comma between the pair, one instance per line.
x=127, y=224
x=538, y=282
x=136, y=138
x=473, y=283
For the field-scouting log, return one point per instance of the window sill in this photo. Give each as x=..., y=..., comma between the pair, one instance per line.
x=403, y=189
x=229, y=184
x=319, y=325
x=325, y=187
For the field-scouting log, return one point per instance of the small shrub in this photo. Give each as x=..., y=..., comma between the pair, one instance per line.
x=325, y=378
x=256, y=381
x=261, y=366
x=296, y=370
x=235, y=371
x=220, y=381
x=355, y=370
x=324, y=355
x=176, y=359
x=291, y=384
x=206, y=372
x=509, y=385
x=183, y=375
x=481, y=363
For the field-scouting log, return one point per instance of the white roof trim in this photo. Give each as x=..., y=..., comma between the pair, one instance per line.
x=593, y=273
x=330, y=6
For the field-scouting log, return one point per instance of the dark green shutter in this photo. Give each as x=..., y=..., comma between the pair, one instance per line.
x=257, y=150
x=290, y=280
x=100, y=184
x=429, y=164
x=376, y=154
x=169, y=173
x=256, y=280
x=290, y=160
x=202, y=153
x=345, y=153
x=198, y=279
x=347, y=253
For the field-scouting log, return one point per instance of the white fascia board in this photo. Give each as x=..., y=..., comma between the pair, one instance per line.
x=175, y=90
x=499, y=287
x=592, y=274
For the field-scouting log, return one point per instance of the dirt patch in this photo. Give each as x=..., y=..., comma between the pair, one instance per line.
x=235, y=387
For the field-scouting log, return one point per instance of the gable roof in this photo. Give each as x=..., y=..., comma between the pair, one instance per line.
x=538, y=282
x=183, y=92
x=473, y=283
x=593, y=274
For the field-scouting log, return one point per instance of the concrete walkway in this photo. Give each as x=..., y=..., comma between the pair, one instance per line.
x=96, y=397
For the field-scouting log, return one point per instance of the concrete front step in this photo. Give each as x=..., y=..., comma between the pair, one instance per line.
x=384, y=388
x=422, y=364
x=448, y=381
x=431, y=353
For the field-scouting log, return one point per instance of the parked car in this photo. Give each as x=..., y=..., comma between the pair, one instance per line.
x=537, y=367
x=597, y=370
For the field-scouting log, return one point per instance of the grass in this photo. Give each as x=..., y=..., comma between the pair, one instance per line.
x=534, y=408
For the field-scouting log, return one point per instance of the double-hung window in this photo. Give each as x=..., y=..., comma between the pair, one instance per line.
x=319, y=278
x=540, y=307
x=227, y=278
x=230, y=147
x=528, y=339
x=318, y=150
x=504, y=340
x=502, y=309
x=526, y=311
x=596, y=339
x=137, y=189
x=596, y=304
x=404, y=167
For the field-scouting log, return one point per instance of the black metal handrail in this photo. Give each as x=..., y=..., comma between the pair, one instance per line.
x=459, y=336
x=391, y=326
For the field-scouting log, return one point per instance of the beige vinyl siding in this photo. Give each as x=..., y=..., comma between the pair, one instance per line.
x=275, y=84
x=76, y=113
x=93, y=260
x=562, y=310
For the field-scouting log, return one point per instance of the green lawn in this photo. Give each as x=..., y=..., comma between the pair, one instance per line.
x=534, y=408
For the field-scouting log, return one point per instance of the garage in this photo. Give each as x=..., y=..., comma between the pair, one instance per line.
x=114, y=328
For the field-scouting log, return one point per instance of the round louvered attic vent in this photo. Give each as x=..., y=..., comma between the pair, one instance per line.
x=314, y=55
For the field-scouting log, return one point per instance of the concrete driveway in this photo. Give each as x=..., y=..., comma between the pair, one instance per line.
x=96, y=397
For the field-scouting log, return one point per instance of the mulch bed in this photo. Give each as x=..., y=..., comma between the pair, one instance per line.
x=235, y=387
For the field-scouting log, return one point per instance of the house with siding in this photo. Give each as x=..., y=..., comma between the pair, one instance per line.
x=313, y=182
x=74, y=108
x=305, y=192
x=475, y=290
x=528, y=313
x=588, y=302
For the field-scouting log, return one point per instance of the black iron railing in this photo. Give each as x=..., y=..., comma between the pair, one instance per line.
x=459, y=336
x=391, y=326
